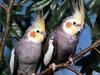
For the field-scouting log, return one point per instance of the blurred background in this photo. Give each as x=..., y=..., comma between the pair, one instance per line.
x=54, y=11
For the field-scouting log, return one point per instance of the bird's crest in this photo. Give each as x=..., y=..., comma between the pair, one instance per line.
x=39, y=23
x=36, y=32
x=79, y=13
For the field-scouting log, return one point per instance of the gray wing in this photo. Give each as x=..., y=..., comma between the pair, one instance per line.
x=50, y=48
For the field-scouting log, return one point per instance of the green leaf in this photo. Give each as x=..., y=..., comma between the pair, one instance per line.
x=2, y=17
x=15, y=31
x=22, y=2
x=96, y=32
x=53, y=5
x=97, y=3
x=57, y=15
x=88, y=20
x=38, y=5
x=91, y=3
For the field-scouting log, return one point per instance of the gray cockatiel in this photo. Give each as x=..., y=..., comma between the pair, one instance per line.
x=28, y=49
x=62, y=42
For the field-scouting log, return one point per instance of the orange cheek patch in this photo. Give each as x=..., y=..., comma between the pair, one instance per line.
x=68, y=25
x=32, y=34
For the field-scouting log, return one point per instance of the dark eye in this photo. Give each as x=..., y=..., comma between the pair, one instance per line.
x=74, y=23
x=37, y=31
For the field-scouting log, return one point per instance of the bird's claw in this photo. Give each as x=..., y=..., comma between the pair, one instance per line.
x=53, y=66
x=33, y=73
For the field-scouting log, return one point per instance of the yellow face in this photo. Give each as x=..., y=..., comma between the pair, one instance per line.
x=36, y=35
x=72, y=27
x=36, y=32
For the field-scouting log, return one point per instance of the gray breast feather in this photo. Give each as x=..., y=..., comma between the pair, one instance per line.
x=28, y=52
x=64, y=46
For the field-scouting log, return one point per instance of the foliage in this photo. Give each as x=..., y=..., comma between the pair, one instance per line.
x=24, y=12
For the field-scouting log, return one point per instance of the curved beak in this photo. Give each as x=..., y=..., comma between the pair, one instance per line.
x=43, y=33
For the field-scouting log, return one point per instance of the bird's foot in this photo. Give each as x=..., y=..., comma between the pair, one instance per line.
x=71, y=60
x=33, y=73
x=53, y=66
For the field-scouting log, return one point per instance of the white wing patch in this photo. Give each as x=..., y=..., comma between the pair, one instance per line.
x=48, y=55
x=12, y=61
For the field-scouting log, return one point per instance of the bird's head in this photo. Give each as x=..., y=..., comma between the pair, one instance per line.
x=36, y=32
x=73, y=24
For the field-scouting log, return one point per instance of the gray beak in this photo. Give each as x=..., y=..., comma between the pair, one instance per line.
x=43, y=33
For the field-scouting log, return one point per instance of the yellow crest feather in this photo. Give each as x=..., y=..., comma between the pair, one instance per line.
x=79, y=13
x=39, y=23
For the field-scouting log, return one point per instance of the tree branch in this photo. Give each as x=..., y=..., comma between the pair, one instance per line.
x=75, y=58
x=3, y=7
x=6, y=33
x=83, y=52
x=73, y=70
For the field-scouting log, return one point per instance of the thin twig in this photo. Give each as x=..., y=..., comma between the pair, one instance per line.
x=20, y=3
x=83, y=52
x=3, y=7
x=96, y=50
x=73, y=70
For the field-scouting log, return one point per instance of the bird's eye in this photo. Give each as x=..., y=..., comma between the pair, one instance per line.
x=37, y=31
x=74, y=23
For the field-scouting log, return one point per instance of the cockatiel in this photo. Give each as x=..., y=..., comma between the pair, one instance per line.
x=28, y=49
x=62, y=42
